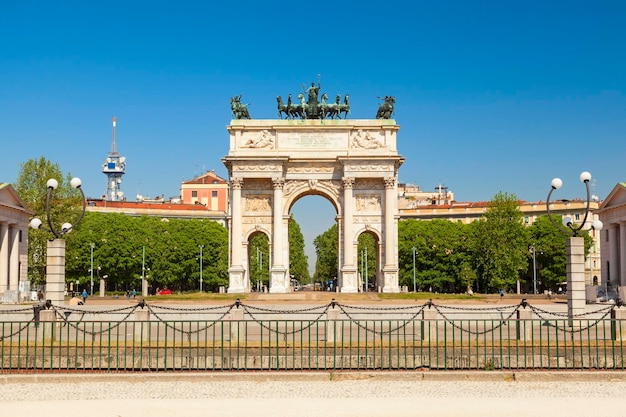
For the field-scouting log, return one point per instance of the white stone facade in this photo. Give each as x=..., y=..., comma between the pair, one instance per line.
x=14, y=218
x=352, y=163
x=612, y=213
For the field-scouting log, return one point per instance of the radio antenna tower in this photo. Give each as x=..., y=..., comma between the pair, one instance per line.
x=114, y=167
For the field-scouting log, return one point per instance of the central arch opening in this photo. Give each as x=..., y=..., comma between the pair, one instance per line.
x=315, y=215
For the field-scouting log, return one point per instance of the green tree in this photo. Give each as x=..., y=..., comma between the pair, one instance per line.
x=259, y=248
x=298, y=262
x=326, y=265
x=65, y=206
x=367, y=252
x=443, y=260
x=500, y=242
x=550, y=251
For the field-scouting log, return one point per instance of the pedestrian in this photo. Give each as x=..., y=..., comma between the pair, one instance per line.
x=84, y=294
x=501, y=294
x=39, y=297
x=127, y=295
x=134, y=294
x=549, y=294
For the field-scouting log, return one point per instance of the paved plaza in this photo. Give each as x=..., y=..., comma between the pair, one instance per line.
x=405, y=394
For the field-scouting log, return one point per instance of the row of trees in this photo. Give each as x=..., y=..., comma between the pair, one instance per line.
x=489, y=254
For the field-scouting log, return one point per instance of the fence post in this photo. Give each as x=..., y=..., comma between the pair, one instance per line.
x=429, y=324
x=618, y=323
x=236, y=319
x=47, y=319
x=332, y=329
x=142, y=328
x=524, y=324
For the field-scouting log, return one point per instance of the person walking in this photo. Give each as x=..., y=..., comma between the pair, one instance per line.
x=84, y=295
x=134, y=293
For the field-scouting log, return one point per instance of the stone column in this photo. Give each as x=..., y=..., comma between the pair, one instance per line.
x=575, y=271
x=14, y=257
x=4, y=257
x=55, y=272
x=348, y=269
x=390, y=236
x=278, y=278
x=235, y=271
x=622, y=254
x=613, y=275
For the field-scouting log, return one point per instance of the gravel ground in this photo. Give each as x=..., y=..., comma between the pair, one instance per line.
x=308, y=395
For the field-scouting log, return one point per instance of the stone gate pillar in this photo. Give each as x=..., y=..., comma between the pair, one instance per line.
x=278, y=284
x=348, y=270
x=236, y=272
x=390, y=269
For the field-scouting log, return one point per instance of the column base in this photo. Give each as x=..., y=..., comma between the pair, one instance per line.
x=235, y=280
x=278, y=284
x=349, y=280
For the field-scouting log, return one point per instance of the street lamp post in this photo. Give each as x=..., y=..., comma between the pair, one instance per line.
x=143, y=272
x=201, y=246
x=55, y=257
x=414, y=282
x=534, y=271
x=575, y=250
x=91, y=246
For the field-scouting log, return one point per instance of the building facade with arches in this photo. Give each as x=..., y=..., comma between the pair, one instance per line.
x=352, y=163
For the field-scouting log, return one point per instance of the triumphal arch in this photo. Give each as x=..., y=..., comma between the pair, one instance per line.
x=352, y=163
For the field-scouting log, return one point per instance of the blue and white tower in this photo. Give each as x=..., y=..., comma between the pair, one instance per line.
x=113, y=168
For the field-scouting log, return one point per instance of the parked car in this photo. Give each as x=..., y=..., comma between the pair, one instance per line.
x=165, y=291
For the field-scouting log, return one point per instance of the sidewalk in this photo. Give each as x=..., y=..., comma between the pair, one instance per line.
x=404, y=394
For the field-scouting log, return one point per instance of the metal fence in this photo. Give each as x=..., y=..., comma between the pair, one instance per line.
x=337, y=337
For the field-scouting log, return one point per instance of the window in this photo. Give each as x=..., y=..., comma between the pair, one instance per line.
x=577, y=217
x=214, y=193
x=194, y=194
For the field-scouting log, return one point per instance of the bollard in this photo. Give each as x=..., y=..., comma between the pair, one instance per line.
x=142, y=325
x=236, y=325
x=48, y=325
x=429, y=325
x=333, y=326
x=618, y=323
x=524, y=324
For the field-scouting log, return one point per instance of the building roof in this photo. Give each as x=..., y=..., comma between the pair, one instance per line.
x=10, y=198
x=207, y=178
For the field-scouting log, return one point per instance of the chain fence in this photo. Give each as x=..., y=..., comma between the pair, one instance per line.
x=334, y=336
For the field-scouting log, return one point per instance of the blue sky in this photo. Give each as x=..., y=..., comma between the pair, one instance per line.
x=490, y=95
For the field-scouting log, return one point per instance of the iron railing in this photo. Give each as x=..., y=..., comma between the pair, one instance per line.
x=333, y=337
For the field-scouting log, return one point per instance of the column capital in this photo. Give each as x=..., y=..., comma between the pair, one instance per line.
x=390, y=182
x=348, y=182
x=237, y=183
x=278, y=183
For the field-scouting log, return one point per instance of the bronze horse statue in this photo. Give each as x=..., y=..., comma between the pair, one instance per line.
x=240, y=110
x=330, y=110
x=345, y=107
x=385, y=110
x=282, y=108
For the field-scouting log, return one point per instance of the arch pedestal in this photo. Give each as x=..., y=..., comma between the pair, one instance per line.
x=352, y=163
